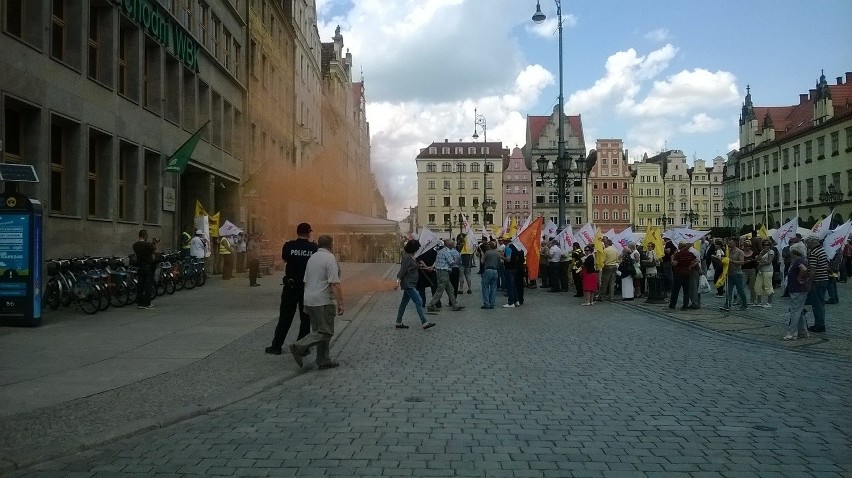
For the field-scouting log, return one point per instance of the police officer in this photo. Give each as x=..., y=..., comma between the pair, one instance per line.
x=295, y=255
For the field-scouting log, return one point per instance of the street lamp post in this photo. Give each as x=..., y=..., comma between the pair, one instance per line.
x=831, y=198
x=539, y=17
x=479, y=120
x=665, y=220
x=730, y=211
x=692, y=217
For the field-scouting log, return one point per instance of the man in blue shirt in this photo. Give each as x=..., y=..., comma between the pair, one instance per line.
x=443, y=265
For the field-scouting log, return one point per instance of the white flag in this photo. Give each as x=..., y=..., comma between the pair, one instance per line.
x=623, y=238
x=550, y=229
x=469, y=239
x=835, y=239
x=525, y=225
x=566, y=239
x=782, y=235
x=686, y=234
x=822, y=227
x=428, y=240
x=586, y=235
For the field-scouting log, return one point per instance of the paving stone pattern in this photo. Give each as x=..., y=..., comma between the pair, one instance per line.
x=543, y=390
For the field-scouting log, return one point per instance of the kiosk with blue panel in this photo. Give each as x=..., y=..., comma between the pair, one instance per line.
x=20, y=250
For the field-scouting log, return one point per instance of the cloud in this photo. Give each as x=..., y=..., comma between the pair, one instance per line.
x=624, y=71
x=684, y=92
x=658, y=35
x=702, y=123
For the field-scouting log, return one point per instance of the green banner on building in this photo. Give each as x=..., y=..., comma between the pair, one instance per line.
x=178, y=161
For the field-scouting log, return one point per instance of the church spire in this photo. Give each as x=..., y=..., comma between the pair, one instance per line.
x=748, y=108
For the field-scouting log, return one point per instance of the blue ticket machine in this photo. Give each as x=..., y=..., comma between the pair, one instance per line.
x=20, y=260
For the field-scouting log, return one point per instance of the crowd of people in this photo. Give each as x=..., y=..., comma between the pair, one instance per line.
x=749, y=272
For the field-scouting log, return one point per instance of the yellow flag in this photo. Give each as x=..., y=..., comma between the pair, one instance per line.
x=599, y=249
x=214, y=225
x=513, y=227
x=763, y=232
x=653, y=235
x=199, y=209
x=725, y=262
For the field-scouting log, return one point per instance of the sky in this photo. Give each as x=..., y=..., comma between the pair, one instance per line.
x=659, y=74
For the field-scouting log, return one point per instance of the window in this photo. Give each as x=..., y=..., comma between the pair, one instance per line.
x=431, y=184
x=596, y=215
x=683, y=205
x=57, y=169
x=474, y=168
x=605, y=215
x=641, y=208
x=785, y=158
x=489, y=167
x=615, y=199
x=475, y=184
x=446, y=168
x=641, y=192
x=446, y=200
x=445, y=150
x=656, y=208
x=508, y=205
x=98, y=172
x=126, y=163
x=671, y=206
x=605, y=185
x=821, y=147
x=848, y=139
x=431, y=167
x=656, y=192
x=822, y=183
x=203, y=15
x=625, y=216
x=214, y=35
x=835, y=143
x=488, y=184
x=227, y=48
x=539, y=198
x=431, y=201
x=796, y=155
x=808, y=151
x=552, y=197
x=447, y=219
x=475, y=217
x=431, y=219
x=810, y=189
x=57, y=32
x=446, y=184
x=461, y=168
x=461, y=201
x=578, y=197
x=461, y=183
x=471, y=150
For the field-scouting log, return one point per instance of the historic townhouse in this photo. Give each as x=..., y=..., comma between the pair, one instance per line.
x=609, y=186
x=647, y=203
x=98, y=94
x=542, y=140
x=517, y=187
x=796, y=160
x=455, y=178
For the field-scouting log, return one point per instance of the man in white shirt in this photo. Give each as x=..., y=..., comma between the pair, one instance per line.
x=322, y=291
x=554, y=255
x=196, y=246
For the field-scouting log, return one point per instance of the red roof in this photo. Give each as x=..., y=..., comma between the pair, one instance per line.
x=536, y=126
x=791, y=120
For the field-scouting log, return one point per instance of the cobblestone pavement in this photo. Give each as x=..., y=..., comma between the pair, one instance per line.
x=538, y=391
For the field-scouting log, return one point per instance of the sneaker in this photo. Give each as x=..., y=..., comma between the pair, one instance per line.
x=789, y=337
x=804, y=335
x=297, y=355
x=147, y=307
x=272, y=350
x=815, y=329
x=401, y=326
x=767, y=306
x=725, y=308
x=428, y=325
x=432, y=310
x=484, y=307
x=328, y=365
x=508, y=306
x=457, y=308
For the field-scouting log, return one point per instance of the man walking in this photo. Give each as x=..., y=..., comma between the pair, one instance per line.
x=323, y=300
x=818, y=269
x=554, y=269
x=443, y=266
x=295, y=255
x=609, y=268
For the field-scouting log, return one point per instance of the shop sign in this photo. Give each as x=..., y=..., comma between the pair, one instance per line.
x=159, y=24
x=169, y=197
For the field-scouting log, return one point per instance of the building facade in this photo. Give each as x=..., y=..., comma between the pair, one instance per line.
x=308, y=80
x=96, y=95
x=791, y=156
x=517, y=187
x=647, y=204
x=543, y=140
x=609, y=186
x=455, y=178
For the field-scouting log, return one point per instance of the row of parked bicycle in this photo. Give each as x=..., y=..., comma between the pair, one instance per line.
x=96, y=283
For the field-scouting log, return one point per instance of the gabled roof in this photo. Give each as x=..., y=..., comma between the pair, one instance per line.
x=536, y=125
x=791, y=120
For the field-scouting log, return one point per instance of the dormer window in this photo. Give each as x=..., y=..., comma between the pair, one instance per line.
x=445, y=150
x=433, y=150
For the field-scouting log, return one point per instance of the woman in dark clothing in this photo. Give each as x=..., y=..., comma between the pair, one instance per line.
x=407, y=278
x=589, y=274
